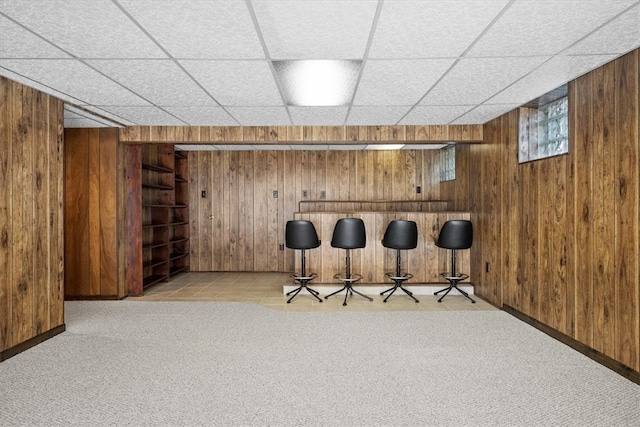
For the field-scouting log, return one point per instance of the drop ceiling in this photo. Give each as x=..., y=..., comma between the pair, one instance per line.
x=211, y=63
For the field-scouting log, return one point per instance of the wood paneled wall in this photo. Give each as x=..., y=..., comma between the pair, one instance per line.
x=240, y=225
x=562, y=234
x=91, y=244
x=301, y=134
x=31, y=217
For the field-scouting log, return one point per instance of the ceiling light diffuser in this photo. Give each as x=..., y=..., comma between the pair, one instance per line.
x=318, y=83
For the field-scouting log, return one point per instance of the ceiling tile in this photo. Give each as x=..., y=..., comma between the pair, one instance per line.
x=152, y=116
x=532, y=27
x=199, y=29
x=260, y=116
x=398, y=82
x=76, y=117
x=431, y=115
x=202, y=116
x=16, y=42
x=74, y=79
x=315, y=29
x=472, y=81
x=484, y=113
x=19, y=78
x=375, y=115
x=98, y=31
x=161, y=82
x=555, y=72
x=318, y=116
x=431, y=29
x=237, y=83
x=619, y=36
x=106, y=115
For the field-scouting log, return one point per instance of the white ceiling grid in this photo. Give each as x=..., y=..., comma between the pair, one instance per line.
x=208, y=63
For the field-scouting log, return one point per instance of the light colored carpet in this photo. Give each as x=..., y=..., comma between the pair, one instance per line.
x=140, y=363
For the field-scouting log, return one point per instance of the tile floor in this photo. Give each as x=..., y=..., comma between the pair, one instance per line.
x=266, y=289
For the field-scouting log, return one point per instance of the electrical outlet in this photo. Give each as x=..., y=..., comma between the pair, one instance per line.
x=304, y=194
x=275, y=194
x=281, y=246
x=418, y=189
x=323, y=194
x=203, y=194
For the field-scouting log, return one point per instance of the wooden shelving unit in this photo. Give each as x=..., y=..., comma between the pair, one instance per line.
x=165, y=213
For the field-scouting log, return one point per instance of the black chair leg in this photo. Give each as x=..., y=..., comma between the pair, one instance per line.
x=398, y=285
x=453, y=285
x=349, y=292
x=303, y=285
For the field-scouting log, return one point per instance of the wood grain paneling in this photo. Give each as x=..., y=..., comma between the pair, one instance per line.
x=567, y=237
x=302, y=134
x=91, y=228
x=247, y=224
x=31, y=217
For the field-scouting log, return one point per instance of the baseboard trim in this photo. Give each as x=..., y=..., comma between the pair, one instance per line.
x=92, y=297
x=32, y=342
x=603, y=359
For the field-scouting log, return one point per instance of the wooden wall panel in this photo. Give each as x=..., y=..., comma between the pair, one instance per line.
x=91, y=227
x=568, y=234
x=626, y=187
x=247, y=227
x=31, y=200
x=301, y=134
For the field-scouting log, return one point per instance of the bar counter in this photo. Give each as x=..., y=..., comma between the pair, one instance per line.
x=425, y=262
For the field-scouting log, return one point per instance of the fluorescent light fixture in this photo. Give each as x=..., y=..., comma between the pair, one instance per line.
x=384, y=147
x=318, y=83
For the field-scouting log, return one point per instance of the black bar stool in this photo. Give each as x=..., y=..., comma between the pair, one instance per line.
x=302, y=235
x=455, y=234
x=349, y=233
x=400, y=235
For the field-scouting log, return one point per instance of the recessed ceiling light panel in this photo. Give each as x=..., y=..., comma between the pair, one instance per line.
x=318, y=82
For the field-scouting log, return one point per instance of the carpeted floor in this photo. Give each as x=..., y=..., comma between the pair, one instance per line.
x=142, y=363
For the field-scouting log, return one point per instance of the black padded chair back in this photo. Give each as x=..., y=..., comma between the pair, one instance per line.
x=401, y=234
x=349, y=233
x=301, y=234
x=455, y=234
